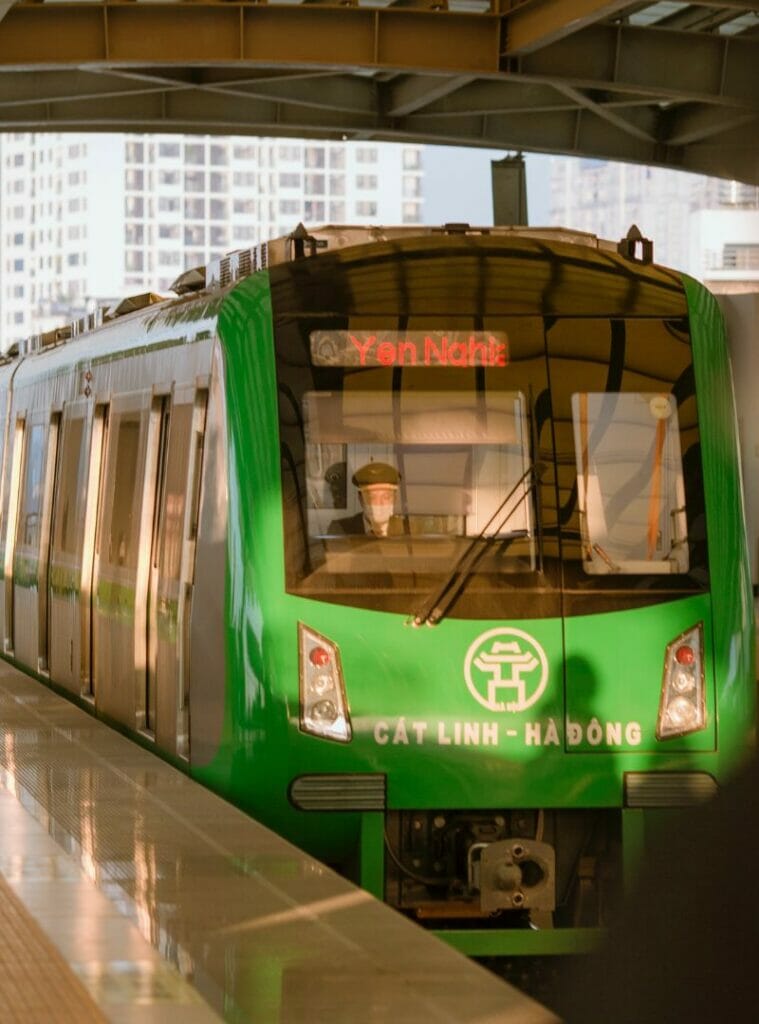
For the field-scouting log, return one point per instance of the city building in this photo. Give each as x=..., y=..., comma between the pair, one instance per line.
x=88, y=218
x=708, y=227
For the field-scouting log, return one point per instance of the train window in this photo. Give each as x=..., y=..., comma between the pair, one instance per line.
x=175, y=490
x=120, y=532
x=450, y=460
x=631, y=493
x=69, y=499
x=30, y=498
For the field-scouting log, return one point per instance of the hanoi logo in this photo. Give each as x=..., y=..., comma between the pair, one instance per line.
x=506, y=670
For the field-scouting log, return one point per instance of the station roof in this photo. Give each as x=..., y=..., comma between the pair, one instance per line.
x=667, y=83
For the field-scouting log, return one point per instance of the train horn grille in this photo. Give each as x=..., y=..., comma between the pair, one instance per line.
x=339, y=792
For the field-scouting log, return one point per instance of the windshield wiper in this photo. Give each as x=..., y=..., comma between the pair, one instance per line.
x=439, y=601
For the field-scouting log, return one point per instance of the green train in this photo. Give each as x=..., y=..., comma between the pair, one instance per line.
x=423, y=546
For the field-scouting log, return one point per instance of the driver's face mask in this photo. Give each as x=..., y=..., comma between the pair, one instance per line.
x=377, y=501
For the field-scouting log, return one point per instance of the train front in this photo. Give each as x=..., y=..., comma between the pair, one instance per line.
x=499, y=646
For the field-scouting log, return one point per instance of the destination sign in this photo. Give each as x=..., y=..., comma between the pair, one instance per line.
x=409, y=348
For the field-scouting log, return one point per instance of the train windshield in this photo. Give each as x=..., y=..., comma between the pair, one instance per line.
x=556, y=457
x=631, y=492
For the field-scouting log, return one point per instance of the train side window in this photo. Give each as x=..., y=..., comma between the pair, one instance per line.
x=69, y=497
x=30, y=498
x=119, y=538
x=631, y=492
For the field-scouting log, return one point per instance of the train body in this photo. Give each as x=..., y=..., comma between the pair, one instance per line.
x=424, y=547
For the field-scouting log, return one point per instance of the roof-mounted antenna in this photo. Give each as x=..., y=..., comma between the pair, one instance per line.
x=635, y=247
x=301, y=244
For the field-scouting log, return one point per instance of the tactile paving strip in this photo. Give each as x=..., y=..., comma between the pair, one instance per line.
x=37, y=986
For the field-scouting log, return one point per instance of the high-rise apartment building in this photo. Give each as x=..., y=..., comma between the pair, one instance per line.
x=84, y=218
x=707, y=227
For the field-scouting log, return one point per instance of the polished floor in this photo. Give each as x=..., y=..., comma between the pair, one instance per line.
x=164, y=903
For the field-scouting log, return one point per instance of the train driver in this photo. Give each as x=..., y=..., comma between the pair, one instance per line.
x=377, y=484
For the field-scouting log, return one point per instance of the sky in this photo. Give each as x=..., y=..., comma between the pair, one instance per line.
x=457, y=185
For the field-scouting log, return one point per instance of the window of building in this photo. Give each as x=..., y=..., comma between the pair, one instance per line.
x=412, y=186
x=169, y=204
x=168, y=231
x=246, y=206
x=134, y=260
x=135, y=179
x=337, y=184
x=168, y=177
x=219, y=209
x=244, y=233
x=194, y=181
x=168, y=149
x=219, y=156
x=244, y=152
x=194, y=234
x=289, y=180
x=314, y=156
x=194, y=153
x=366, y=155
x=219, y=236
x=290, y=152
x=244, y=179
x=313, y=209
x=411, y=213
x=195, y=209
x=289, y=206
x=219, y=181
x=365, y=208
x=134, y=206
x=412, y=159
x=366, y=181
x=337, y=212
x=314, y=184
x=337, y=159
x=135, y=152
x=169, y=257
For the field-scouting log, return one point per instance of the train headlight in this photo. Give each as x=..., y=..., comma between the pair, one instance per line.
x=323, y=707
x=682, y=707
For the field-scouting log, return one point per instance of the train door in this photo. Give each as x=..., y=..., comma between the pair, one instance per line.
x=27, y=548
x=172, y=567
x=67, y=540
x=121, y=561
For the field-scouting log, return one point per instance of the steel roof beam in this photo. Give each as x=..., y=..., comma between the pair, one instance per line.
x=661, y=62
x=536, y=23
x=417, y=91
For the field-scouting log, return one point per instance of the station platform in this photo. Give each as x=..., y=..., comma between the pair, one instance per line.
x=130, y=894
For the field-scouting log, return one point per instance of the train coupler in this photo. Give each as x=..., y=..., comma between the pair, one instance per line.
x=514, y=874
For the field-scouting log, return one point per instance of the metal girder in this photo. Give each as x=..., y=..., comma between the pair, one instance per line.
x=670, y=65
x=167, y=33
x=536, y=23
x=571, y=76
x=416, y=91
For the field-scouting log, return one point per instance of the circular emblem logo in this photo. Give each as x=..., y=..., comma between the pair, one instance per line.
x=506, y=669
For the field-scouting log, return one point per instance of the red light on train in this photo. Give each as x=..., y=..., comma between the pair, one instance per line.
x=319, y=656
x=685, y=655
